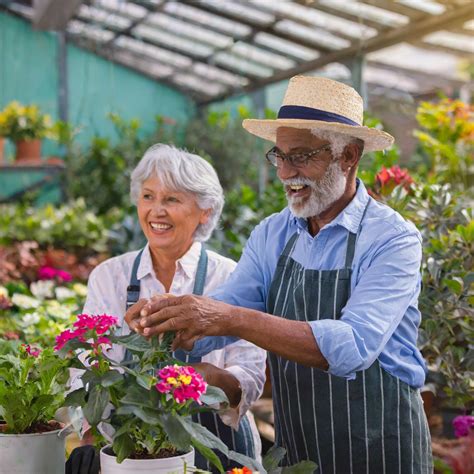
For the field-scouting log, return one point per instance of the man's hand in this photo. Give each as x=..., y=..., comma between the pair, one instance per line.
x=191, y=317
x=132, y=316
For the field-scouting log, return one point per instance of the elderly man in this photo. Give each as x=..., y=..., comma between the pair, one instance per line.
x=329, y=287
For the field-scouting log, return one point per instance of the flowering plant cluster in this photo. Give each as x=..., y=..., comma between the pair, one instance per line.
x=143, y=403
x=36, y=313
x=463, y=425
x=24, y=122
x=32, y=388
x=387, y=179
x=50, y=273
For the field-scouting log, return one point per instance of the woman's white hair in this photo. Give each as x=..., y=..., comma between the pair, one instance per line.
x=338, y=141
x=184, y=172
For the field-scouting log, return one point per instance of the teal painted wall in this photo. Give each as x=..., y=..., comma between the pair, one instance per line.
x=28, y=73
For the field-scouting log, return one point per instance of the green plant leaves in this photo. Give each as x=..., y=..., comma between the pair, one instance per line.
x=96, y=403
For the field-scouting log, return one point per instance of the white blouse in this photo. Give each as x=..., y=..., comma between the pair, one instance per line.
x=107, y=294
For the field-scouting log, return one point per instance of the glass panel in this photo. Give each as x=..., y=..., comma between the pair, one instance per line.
x=427, y=6
x=207, y=19
x=369, y=12
x=215, y=74
x=390, y=79
x=240, y=10
x=240, y=65
x=93, y=32
x=145, y=66
x=195, y=32
x=315, y=35
x=126, y=9
x=154, y=52
x=193, y=82
x=286, y=47
x=176, y=42
x=451, y=40
x=291, y=10
x=262, y=57
x=103, y=17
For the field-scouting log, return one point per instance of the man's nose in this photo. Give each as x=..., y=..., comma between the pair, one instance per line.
x=285, y=170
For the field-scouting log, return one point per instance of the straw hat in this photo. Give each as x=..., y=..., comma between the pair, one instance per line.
x=321, y=103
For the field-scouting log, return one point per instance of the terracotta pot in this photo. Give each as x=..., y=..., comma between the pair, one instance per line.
x=28, y=150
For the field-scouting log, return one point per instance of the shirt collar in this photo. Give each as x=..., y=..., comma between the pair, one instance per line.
x=188, y=262
x=349, y=218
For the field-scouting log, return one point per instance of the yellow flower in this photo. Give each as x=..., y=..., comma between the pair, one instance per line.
x=185, y=379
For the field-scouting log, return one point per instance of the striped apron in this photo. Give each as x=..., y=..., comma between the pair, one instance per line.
x=373, y=424
x=240, y=441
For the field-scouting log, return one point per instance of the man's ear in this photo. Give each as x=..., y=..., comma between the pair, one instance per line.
x=350, y=157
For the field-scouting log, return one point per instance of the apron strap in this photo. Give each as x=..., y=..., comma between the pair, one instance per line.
x=352, y=238
x=201, y=273
x=133, y=289
x=290, y=245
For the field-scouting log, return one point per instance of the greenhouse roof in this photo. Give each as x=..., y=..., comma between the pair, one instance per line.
x=214, y=49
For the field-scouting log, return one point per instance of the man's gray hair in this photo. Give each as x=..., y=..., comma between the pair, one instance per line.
x=338, y=141
x=183, y=172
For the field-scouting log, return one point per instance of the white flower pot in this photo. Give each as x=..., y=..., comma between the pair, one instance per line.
x=36, y=453
x=175, y=465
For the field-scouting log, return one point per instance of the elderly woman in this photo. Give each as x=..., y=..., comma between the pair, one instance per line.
x=179, y=201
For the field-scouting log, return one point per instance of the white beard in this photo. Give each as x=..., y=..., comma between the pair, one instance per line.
x=324, y=192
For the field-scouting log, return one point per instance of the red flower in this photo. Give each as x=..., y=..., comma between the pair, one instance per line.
x=388, y=179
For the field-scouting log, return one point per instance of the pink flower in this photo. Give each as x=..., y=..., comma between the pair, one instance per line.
x=462, y=425
x=388, y=178
x=183, y=382
x=34, y=352
x=88, y=327
x=46, y=273
x=50, y=273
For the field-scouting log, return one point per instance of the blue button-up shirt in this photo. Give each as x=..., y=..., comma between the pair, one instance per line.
x=381, y=318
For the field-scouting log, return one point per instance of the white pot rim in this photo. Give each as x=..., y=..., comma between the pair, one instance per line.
x=149, y=461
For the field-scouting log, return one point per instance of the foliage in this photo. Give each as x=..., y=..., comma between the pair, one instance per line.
x=445, y=220
x=71, y=226
x=32, y=387
x=448, y=140
x=100, y=174
x=220, y=137
x=36, y=314
x=24, y=122
x=243, y=210
x=145, y=402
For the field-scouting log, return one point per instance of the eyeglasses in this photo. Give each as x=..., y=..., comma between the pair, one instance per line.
x=275, y=156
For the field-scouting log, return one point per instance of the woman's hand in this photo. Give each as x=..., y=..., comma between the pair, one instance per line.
x=220, y=378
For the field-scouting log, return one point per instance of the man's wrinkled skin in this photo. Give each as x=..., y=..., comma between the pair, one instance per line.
x=194, y=317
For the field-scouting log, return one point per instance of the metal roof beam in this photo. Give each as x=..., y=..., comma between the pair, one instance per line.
x=53, y=15
x=407, y=33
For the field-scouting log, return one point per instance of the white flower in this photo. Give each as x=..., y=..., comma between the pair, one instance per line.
x=80, y=289
x=63, y=293
x=24, y=301
x=42, y=289
x=57, y=311
x=3, y=292
x=31, y=318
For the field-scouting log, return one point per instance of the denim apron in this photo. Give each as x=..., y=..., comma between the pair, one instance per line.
x=241, y=440
x=372, y=424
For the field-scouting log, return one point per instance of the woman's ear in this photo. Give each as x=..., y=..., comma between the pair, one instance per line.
x=206, y=213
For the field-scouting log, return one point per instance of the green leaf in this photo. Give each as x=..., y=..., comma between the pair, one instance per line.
x=133, y=342
x=76, y=398
x=152, y=417
x=455, y=284
x=96, y=404
x=173, y=428
x=111, y=378
x=209, y=454
x=214, y=395
x=273, y=458
x=123, y=446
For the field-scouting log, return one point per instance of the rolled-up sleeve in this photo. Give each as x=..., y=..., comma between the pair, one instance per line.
x=382, y=293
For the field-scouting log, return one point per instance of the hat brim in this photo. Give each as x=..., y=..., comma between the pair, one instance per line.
x=374, y=140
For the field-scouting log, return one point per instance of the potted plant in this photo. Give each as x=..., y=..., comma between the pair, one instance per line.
x=26, y=126
x=3, y=133
x=142, y=405
x=32, y=388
